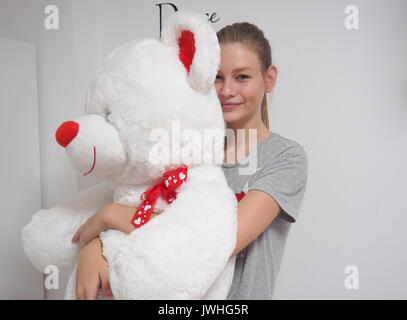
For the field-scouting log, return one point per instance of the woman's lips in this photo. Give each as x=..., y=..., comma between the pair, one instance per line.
x=228, y=106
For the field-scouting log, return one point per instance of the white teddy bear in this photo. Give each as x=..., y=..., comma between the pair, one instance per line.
x=147, y=90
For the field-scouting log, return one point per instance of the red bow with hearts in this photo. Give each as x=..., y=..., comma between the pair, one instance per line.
x=172, y=180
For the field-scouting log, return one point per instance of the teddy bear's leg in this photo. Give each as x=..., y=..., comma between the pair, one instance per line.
x=47, y=238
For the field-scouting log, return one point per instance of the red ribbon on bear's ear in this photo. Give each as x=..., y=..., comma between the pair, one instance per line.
x=186, y=45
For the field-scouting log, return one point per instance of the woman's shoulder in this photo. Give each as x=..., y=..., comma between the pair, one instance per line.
x=277, y=145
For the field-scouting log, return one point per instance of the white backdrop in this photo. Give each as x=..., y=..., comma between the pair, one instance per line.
x=20, y=189
x=340, y=93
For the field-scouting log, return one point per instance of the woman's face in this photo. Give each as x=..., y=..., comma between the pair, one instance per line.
x=240, y=83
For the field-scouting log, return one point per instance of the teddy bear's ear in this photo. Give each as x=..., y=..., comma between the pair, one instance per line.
x=197, y=46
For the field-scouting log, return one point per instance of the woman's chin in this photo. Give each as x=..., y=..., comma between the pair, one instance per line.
x=231, y=116
x=228, y=119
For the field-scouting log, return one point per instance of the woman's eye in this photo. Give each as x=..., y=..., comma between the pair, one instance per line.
x=242, y=77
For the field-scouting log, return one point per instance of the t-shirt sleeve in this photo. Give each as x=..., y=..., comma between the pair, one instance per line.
x=284, y=178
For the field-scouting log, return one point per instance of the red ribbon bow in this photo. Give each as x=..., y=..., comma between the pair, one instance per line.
x=172, y=180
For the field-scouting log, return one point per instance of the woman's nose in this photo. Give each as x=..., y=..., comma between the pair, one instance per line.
x=66, y=132
x=228, y=88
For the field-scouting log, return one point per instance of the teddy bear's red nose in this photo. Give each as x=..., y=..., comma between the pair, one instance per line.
x=66, y=132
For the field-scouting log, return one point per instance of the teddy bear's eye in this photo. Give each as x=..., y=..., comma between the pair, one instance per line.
x=108, y=115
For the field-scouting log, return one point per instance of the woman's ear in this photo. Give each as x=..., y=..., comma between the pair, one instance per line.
x=270, y=78
x=196, y=45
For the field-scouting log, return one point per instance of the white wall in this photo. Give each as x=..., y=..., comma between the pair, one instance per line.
x=340, y=93
x=343, y=95
x=24, y=20
x=20, y=184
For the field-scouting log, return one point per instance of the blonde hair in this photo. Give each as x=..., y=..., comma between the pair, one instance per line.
x=250, y=35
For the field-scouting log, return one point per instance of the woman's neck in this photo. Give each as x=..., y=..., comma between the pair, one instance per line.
x=242, y=138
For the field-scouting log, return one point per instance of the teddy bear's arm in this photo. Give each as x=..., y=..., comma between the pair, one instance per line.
x=178, y=254
x=46, y=239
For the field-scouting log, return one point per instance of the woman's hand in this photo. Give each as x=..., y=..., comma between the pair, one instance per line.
x=92, y=272
x=111, y=216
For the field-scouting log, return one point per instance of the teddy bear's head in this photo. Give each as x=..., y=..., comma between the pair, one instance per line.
x=152, y=106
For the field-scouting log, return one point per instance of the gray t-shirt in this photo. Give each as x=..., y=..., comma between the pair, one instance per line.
x=281, y=172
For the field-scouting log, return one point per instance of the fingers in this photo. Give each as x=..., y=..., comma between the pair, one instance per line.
x=78, y=288
x=84, y=234
x=92, y=292
x=75, y=238
x=92, y=268
x=104, y=278
x=83, y=239
x=87, y=291
x=88, y=231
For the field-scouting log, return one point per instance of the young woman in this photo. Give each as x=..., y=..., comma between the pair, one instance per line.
x=270, y=197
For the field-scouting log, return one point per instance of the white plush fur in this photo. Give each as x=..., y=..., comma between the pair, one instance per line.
x=184, y=252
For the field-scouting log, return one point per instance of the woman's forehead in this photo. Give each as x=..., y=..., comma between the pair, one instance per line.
x=237, y=57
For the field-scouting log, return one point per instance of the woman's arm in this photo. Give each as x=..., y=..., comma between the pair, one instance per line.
x=111, y=216
x=256, y=210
